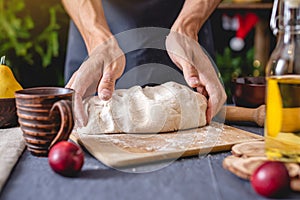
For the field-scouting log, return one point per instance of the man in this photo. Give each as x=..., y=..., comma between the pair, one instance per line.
x=99, y=21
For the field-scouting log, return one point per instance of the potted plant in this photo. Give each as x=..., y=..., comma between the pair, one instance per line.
x=32, y=39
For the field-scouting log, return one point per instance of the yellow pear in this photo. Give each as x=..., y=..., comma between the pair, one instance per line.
x=8, y=83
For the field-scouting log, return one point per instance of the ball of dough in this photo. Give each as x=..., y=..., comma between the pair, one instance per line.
x=163, y=108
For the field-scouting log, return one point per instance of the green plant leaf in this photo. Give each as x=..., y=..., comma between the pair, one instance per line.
x=28, y=23
x=16, y=27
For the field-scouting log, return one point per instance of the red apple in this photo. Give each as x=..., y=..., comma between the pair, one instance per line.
x=271, y=179
x=66, y=158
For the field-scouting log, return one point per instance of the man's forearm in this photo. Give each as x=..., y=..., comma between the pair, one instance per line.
x=193, y=15
x=88, y=15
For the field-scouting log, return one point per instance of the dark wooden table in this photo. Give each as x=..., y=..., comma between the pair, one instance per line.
x=189, y=178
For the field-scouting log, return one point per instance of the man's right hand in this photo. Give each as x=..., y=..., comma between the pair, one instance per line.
x=106, y=60
x=98, y=73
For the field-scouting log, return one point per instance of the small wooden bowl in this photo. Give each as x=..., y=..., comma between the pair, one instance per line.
x=249, y=91
x=8, y=113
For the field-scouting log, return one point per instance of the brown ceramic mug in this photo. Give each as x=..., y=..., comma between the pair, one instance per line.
x=45, y=116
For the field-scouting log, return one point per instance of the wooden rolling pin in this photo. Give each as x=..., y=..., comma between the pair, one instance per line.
x=241, y=114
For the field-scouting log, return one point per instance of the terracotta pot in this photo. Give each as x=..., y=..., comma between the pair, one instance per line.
x=249, y=91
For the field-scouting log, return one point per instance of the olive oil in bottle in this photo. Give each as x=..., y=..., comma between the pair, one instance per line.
x=282, y=125
x=283, y=118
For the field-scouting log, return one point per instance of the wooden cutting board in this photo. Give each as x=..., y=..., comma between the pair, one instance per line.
x=125, y=150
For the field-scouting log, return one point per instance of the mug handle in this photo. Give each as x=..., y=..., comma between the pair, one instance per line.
x=67, y=122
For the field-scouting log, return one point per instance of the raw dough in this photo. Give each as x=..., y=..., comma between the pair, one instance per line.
x=164, y=108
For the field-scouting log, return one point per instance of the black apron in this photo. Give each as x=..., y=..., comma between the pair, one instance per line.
x=140, y=27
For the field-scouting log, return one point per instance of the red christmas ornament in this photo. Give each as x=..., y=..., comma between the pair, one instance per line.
x=245, y=24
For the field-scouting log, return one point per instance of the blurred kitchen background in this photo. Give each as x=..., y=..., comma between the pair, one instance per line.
x=33, y=37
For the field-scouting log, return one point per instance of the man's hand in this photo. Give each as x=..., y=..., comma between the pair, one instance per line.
x=184, y=50
x=106, y=60
x=98, y=73
x=197, y=69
